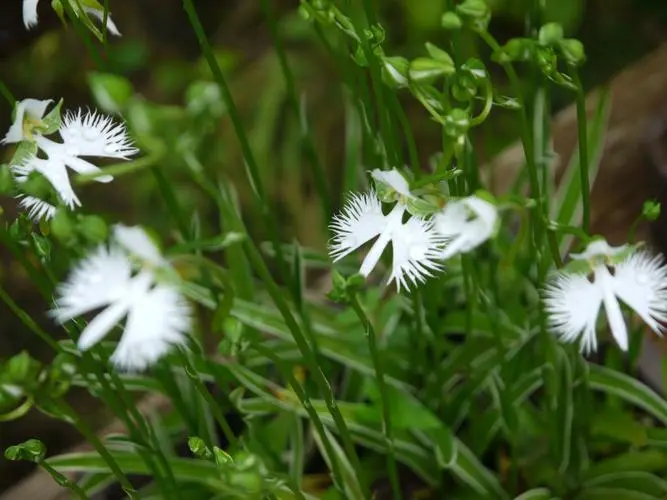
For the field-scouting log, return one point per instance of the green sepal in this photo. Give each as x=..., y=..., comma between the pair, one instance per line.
x=51, y=122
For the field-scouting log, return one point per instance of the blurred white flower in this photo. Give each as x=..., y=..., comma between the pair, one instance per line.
x=466, y=223
x=89, y=134
x=158, y=317
x=392, y=179
x=26, y=110
x=573, y=298
x=30, y=17
x=415, y=244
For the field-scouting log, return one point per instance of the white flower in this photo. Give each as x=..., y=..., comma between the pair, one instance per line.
x=32, y=109
x=466, y=223
x=30, y=17
x=415, y=244
x=637, y=278
x=157, y=315
x=90, y=134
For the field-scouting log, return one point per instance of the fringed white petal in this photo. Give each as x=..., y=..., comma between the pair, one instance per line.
x=360, y=221
x=37, y=209
x=98, y=280
x=641, y=282
x=416, y=250
x=30, y=13
x=33, y=108
x=94, y=134
x=99, y=15
x=55, y=171
x=157, y=322
x=394, y=179
x=573, y=304
x=135, y=241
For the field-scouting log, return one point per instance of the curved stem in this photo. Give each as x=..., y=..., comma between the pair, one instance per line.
x=384, y=397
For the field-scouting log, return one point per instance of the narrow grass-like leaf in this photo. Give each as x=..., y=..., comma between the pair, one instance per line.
x=629, y=389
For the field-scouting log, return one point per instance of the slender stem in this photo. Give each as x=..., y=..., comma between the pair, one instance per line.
x=122, y=168
x=295, y=104
x=583, y=151
x=528, y=144
x=213, y=405
x=92, y=438
x=253, y=169
x=173, y=205
x=63, y=480
x=386, y=127
x=309, y=408
x=7, y=94
x=27, y=320
x=384, y=397
x=255, y=258
x=83, y=33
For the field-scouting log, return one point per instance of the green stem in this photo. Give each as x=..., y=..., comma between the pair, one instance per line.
x=371, y=335
x=92, y=438
x=528, y=146
x=7, y=94
x=583, y=151
x=213, y=405
x=252, y=167
x=295, y=104
x=173, y=205
x=64, y=481
x=277, y=296
x=309, y=408
x=122, y=168
x=83, y=33
x=28, y=321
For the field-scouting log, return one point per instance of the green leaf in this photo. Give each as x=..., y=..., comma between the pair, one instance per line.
x=640, y=481
x=536, y=494
x=112, y=92
x=214, y=244
x=628, y=389
x=352, y=487
x=612, y=493
x=643, y=461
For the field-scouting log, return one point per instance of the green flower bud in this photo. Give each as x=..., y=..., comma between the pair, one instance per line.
x=33, y=450
x=451, y=21
x=550, y=34
x=651, y=210
x=476, y=12
x=573, y=51
x=62, y=227
x=198, y=447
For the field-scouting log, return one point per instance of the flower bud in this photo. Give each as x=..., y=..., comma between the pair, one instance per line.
x=451, y=21
x=550, y=34
x=573, y=51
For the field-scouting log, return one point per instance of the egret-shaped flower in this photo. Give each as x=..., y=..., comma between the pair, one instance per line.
x=601, y=275
x=415, y=244
x=466, y=223
x=127, y=279
x=30, y=17
x=89, y=134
